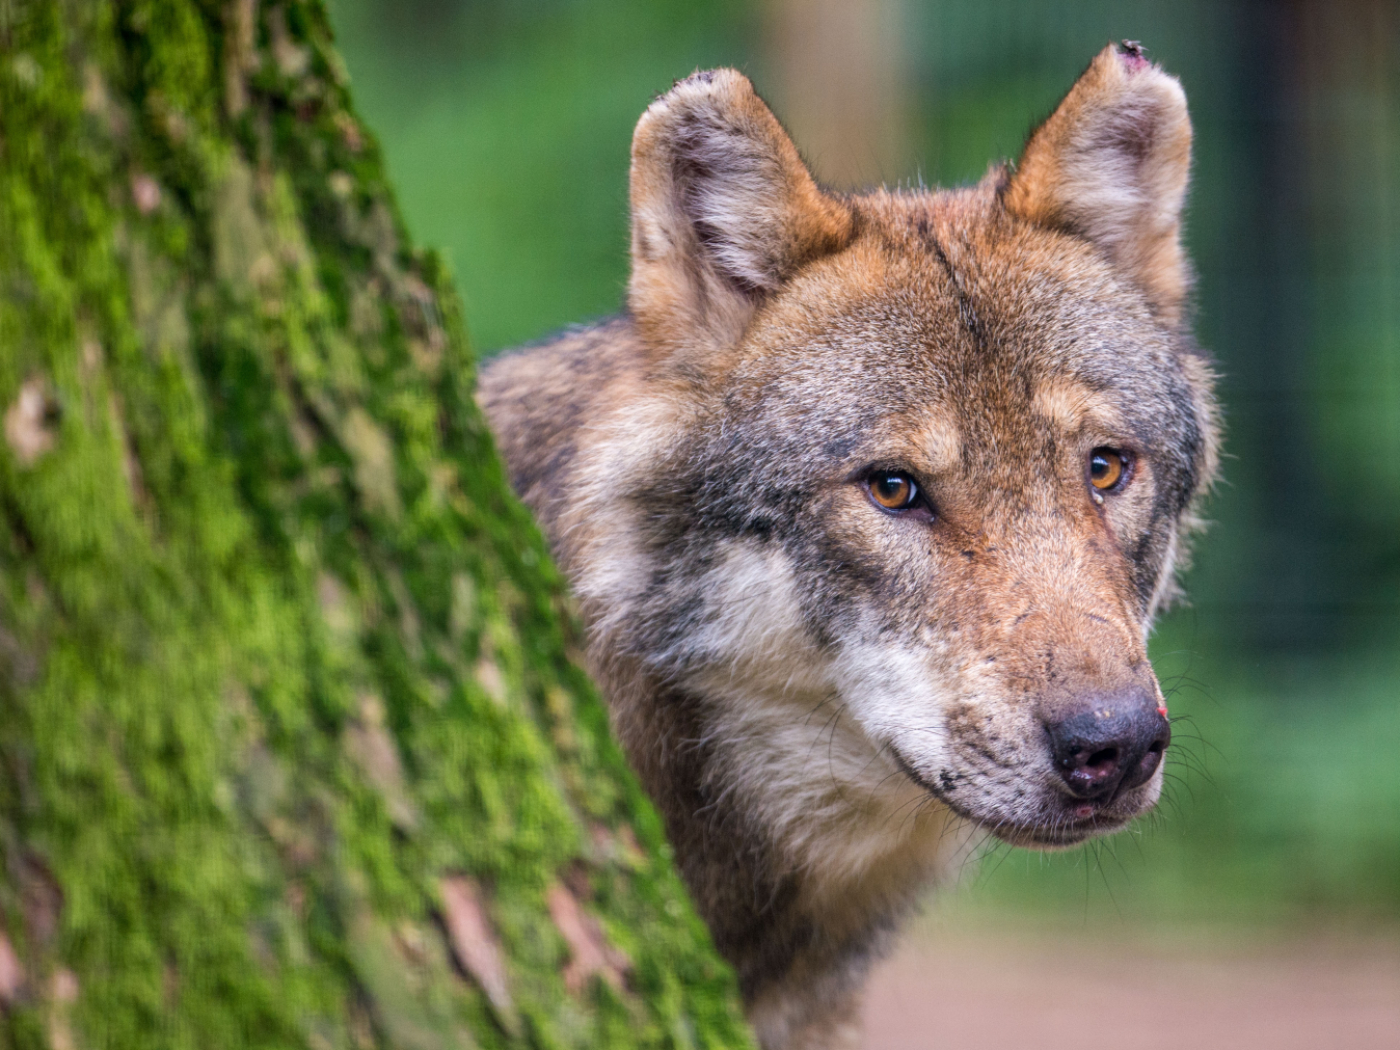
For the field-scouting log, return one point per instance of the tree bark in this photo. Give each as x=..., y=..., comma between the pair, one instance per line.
x=293, y=750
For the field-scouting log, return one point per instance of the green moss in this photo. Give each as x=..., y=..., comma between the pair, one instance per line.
x=278, y=650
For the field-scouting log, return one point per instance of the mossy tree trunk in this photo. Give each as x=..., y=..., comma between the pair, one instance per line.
x=293, y=750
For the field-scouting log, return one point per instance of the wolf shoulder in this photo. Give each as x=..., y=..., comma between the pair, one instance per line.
x=545, y=400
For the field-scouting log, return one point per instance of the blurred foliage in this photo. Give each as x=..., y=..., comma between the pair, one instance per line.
x=506, y=127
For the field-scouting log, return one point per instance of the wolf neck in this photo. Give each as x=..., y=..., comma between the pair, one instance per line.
x=802, y=847
x=846, y=821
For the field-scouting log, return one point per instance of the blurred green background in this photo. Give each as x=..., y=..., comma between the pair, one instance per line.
x=506, y=126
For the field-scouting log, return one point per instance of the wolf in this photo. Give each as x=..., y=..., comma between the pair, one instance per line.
x=868, y=502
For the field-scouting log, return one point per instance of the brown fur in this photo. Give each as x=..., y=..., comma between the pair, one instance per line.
x=830, y=702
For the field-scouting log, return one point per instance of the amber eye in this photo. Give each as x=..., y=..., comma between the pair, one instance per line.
x=892, y=490
x=1106, y=468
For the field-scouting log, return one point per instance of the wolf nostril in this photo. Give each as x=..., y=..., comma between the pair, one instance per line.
x=1102, y=759
x=1088, y=772
x=1151, y=759
x=1115, y=745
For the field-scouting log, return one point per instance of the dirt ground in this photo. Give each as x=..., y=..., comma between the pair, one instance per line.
x=997, y=990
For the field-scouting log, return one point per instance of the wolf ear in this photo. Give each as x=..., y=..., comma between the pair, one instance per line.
x=1111, y=164
x=723, y=212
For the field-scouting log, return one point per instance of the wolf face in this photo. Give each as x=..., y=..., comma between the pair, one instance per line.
x=869, y=504
x=889, y=504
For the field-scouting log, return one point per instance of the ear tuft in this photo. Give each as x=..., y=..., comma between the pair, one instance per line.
x=723, y=212
x=1111, y=165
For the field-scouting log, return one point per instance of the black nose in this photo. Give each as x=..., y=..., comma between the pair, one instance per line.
x=1115, y=745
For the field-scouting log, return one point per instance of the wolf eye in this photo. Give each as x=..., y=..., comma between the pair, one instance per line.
x=893, y=490
x=1106, y=468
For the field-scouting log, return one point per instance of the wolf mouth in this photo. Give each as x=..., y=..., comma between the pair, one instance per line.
x=1056, y=832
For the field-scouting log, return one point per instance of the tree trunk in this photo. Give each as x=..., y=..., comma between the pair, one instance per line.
x=841, y=86
x=293, y=752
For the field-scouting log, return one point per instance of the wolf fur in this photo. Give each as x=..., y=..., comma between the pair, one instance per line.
x=830, y=701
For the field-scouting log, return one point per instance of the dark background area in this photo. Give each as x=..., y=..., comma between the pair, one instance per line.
x=506, y=126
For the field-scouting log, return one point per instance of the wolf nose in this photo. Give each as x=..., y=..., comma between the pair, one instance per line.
x=1116, y=745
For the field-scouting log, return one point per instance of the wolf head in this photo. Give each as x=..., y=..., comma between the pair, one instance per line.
x=906, y=475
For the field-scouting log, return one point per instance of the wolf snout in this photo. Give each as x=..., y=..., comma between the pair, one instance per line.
x=1115, y=745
